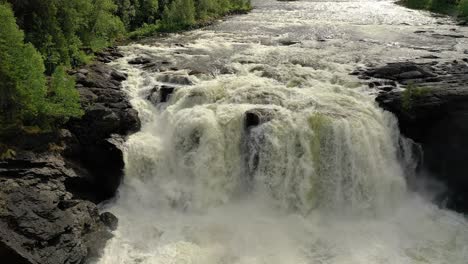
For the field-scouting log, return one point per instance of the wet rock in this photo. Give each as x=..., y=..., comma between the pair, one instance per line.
x=140, y=60
x=35, y=227
x=110, y=220
x=107, y=113
x=161, y=94
x=435, y=115
x=258, y=116
x=118, y=76
x=287, y=42
x=401, y=71
x=175, y=79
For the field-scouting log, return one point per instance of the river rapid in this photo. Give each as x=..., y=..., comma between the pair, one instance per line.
x=258, y=147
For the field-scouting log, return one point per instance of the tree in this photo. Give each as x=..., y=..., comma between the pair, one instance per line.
x=63, y=99
x=25, y=98
x=179, y=14
x=23, y=85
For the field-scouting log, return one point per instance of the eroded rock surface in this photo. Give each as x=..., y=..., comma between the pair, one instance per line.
x=433, y=111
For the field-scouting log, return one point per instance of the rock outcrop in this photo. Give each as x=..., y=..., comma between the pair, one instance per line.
x=433, y=111
x=108, y=119
x=51, y=183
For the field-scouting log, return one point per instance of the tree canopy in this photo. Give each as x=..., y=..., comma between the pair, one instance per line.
x=41, y=39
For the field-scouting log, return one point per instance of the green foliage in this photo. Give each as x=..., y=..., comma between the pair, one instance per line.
x=24, y=96
x=40, y=39
x=61, y=30
x=416, y=4
x=411, y=94
x=63, y=99
x=136, y=13
x=178, y=15
x=448, y=7
x=23, y=84
x=145, y=31
x=463, y=9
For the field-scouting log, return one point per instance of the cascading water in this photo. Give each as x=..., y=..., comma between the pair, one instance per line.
x=257, y=146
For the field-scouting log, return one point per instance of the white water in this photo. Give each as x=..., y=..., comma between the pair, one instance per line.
x=320, y=181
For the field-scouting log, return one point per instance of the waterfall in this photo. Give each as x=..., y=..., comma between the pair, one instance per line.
x=258, y=153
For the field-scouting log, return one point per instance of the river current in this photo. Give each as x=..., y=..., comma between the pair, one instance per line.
x=258, y=147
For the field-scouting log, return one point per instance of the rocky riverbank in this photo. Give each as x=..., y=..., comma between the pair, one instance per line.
x=433, y=111
x=50, y=188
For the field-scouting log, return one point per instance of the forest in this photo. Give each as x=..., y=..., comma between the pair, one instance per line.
x=40, y=40
x=457, y=8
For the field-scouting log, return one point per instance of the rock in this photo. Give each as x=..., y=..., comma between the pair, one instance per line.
x=140, y=60
x=35, y=227
x=109, y=220
x=287, y=42
x=410, y=75
x=83, y=71
x=401, y=71
x=175, y=79
x=118, y=76
x=107, y=112
x=258, y=116
x=436, y=117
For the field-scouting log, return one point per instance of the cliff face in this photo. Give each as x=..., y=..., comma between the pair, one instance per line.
x=50, y=188
x=434, y=113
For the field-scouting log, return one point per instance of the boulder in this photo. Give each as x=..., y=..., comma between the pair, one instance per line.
x=140, y=60
x=110, y=220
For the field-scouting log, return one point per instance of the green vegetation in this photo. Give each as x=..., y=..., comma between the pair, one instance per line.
x=26, y=96
x=411, y=94
x=41, y=39
x=449, y=7
x=463, y=9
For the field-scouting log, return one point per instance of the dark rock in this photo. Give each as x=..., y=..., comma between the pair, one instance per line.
x=175, y=79
x=119, y=76
x=258, y=116
x=39, y=222
x=107, y=112
x=401, y=71
x=436, y=117
x=140, y=60
x=110, y=220
x=165, y=92
x=287, y=42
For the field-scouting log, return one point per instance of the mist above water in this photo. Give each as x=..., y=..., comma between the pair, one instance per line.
x=268, y=151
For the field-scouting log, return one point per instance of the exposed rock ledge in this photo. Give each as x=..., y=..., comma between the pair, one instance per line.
x=49, y=190
x=434, y=114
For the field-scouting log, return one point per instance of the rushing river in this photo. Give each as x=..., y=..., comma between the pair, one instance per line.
x=259, y=147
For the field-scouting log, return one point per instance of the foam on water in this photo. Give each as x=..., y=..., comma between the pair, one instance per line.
x=318, y=179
